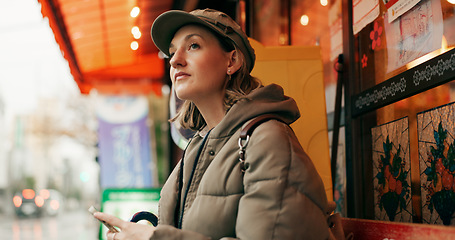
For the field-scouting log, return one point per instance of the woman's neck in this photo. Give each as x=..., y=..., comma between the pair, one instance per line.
x=213, y=113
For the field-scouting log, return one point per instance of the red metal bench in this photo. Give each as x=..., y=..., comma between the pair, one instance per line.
x=380, y=230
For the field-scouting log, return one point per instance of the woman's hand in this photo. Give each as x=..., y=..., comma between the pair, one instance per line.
x=128, y=230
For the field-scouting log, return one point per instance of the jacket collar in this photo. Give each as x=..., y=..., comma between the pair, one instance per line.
x=269, y=99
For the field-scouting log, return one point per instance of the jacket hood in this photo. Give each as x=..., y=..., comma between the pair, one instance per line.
x=269, y=99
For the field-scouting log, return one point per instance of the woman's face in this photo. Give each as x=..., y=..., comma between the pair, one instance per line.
x=198, y=65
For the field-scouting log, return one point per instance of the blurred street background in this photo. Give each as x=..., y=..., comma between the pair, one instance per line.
x=47, y=134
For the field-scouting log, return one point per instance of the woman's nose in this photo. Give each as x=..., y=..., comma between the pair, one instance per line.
x=177, y=59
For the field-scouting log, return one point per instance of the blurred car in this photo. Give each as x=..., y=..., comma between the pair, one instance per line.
x=53, y=202
x=45, y=202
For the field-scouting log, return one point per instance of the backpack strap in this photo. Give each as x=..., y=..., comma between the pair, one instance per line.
x=246, y=132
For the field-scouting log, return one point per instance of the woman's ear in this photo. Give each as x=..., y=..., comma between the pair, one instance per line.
x=235, y=62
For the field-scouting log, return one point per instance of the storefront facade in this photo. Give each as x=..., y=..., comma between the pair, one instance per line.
x=388, y=71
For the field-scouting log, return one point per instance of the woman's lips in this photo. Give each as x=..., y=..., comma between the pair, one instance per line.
x=180, y=75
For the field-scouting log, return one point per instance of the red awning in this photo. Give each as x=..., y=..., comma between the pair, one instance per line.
x=95, y=37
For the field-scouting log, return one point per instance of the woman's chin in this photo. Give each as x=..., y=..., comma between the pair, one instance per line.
x=181, y=94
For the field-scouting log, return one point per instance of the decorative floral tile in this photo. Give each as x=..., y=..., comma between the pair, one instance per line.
x=391, y=171
x=436, y=133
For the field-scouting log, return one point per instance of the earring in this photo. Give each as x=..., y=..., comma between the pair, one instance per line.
x=229, y=75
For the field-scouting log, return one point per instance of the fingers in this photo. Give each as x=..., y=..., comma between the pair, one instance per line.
x=129, y=230
x=110, y=219
x=111, y=236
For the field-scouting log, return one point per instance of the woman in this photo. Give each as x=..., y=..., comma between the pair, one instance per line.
x=278, y=194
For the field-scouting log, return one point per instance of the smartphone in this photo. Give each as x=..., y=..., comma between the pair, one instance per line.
x=93, y=210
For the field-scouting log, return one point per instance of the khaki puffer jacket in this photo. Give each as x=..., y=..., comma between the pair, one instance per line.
x=280, y=195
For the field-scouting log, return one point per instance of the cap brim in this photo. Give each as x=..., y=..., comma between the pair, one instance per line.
x=168, y=23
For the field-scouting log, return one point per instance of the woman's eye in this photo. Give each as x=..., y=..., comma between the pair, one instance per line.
x=194, y=46
x=171, y=54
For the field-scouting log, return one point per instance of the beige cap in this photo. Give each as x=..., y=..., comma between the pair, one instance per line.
x=168, y=23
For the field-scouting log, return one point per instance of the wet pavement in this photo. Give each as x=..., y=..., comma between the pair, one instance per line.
x=74, y=225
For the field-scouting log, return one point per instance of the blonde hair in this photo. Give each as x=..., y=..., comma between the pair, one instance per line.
x=239, y=86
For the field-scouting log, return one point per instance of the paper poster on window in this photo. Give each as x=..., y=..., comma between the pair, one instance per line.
x=449, y=33
x=414, y=34
x=365, y=12
x=336, y=33
x=396, y=8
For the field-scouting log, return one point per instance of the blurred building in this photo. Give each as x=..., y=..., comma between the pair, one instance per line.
x=3, y=161
x=53, y=147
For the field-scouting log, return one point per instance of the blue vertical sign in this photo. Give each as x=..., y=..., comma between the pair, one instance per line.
x=124, y=143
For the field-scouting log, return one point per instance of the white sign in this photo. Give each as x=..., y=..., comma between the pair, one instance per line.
x=365, y=12
x=396, y=8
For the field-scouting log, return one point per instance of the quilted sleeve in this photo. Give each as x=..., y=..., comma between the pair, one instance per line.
x=284, y=195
